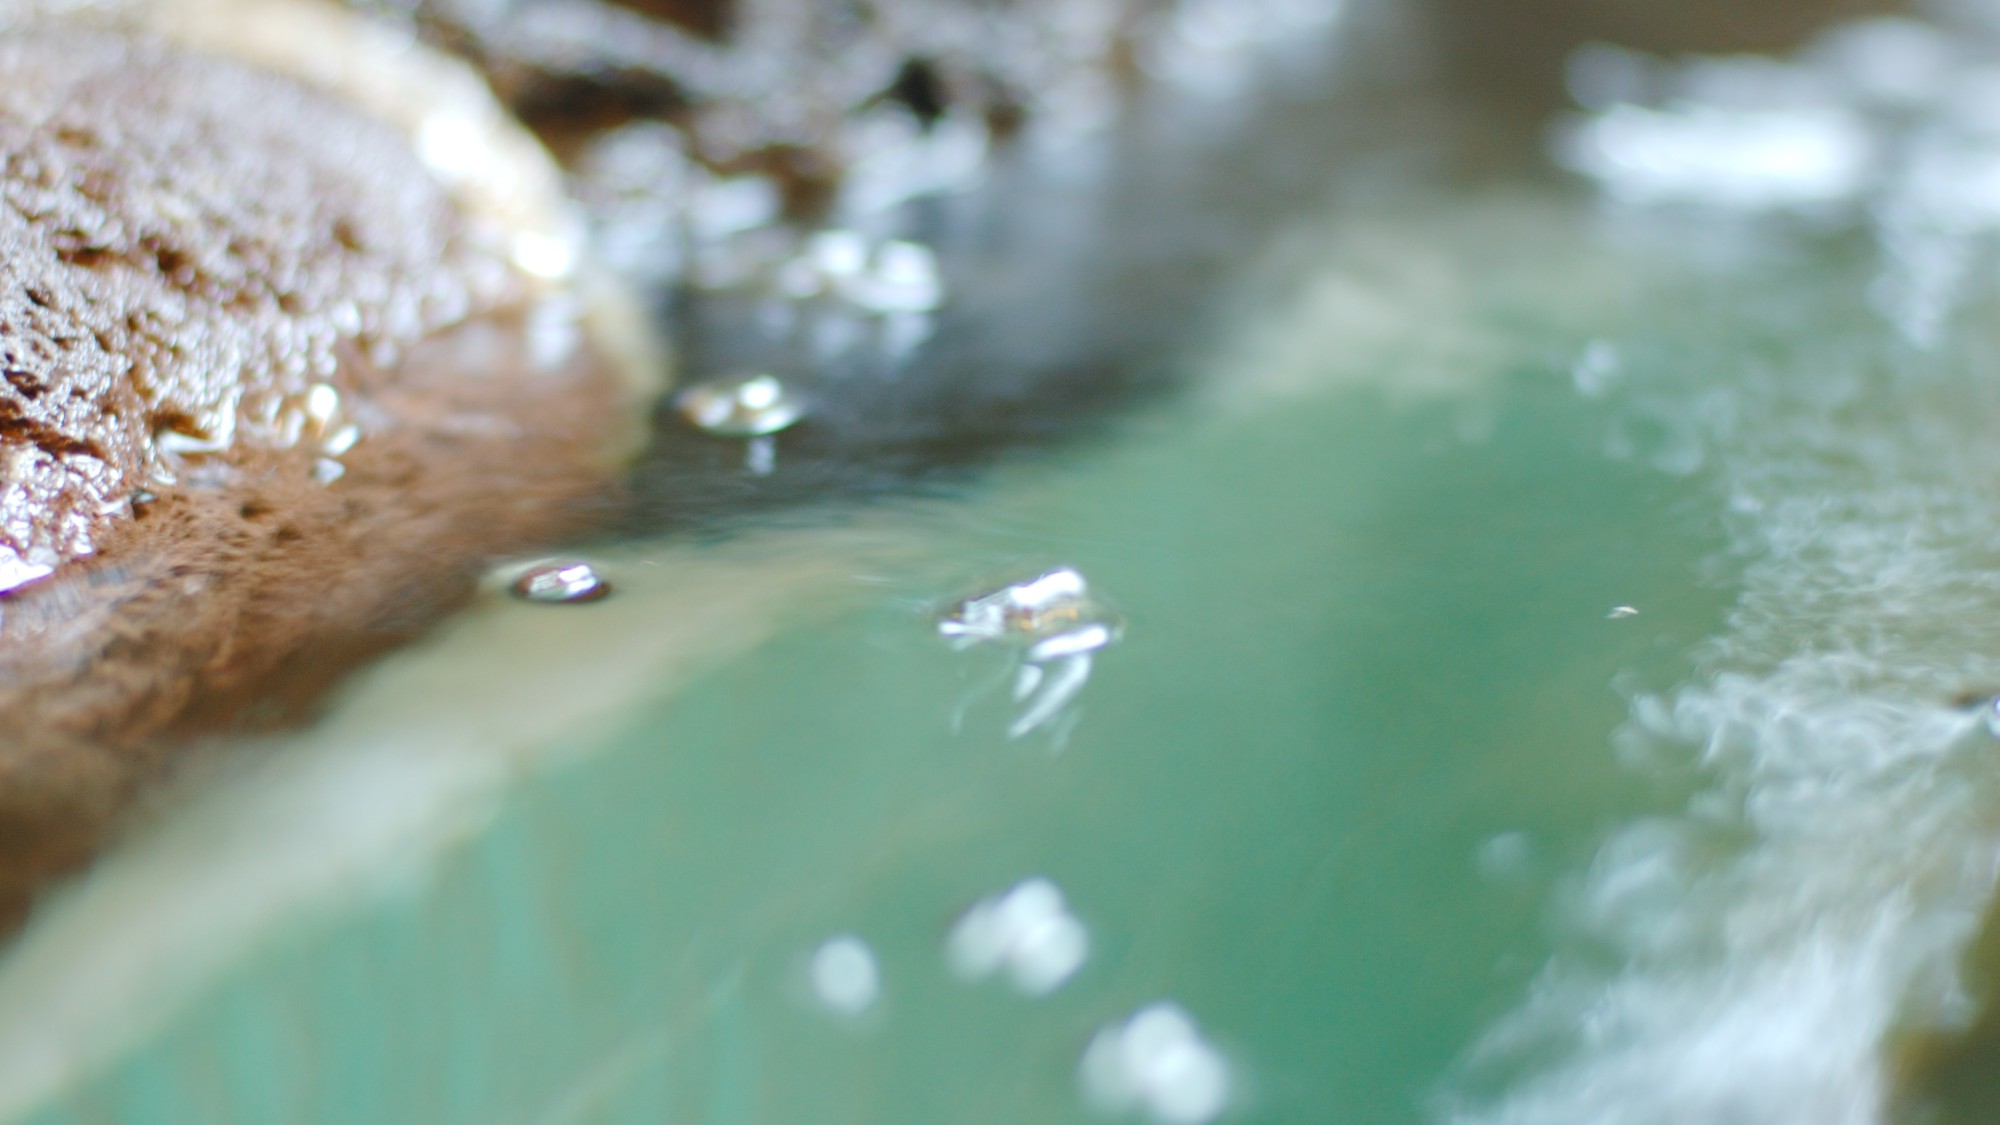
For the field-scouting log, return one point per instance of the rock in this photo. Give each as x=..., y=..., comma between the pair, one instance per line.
x=272, y=395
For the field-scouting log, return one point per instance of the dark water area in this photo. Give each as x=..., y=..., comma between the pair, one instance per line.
x=1076, y=278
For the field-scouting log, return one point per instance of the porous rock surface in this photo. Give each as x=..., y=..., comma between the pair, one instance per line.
x=270, y=401
x=188, y=248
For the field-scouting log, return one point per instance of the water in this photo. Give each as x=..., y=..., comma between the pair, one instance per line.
x=1270, y=807
x=1551, y=653
x=1058, y=628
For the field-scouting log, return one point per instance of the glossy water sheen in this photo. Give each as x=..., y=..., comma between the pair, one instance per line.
x=1366, y=636
x=1537, y=695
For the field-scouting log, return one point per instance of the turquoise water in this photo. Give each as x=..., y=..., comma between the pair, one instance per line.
x=1318, y=795
x=1550, y=690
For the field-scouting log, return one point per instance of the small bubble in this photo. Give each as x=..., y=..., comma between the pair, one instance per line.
x=904, y=332
x=798, y=280
x=741, y=406
x=845, y=976
x=1509, y=855
x=1087, y=637
x=561, y=583
x=1055, y=626
x=717, y=209
x=1028, y=613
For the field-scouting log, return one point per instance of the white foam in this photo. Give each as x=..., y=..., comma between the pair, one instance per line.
x=1748, y=959
x=1888, y=125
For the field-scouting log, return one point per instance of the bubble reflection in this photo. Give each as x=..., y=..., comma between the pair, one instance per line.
x=561, y=583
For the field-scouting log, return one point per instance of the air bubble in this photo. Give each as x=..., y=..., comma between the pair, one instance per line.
x=1022, y=613
x=561, y=583
x=845, y=977
x=741, y=406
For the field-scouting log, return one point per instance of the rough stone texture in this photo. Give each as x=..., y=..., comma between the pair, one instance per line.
x=772, y=84
x=218, y=290
x=187, y=246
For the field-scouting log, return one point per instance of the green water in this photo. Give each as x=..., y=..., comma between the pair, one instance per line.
x=1367, y=633
x=1540, y=702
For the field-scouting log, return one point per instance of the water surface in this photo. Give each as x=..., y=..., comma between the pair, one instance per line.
x=1546, y=690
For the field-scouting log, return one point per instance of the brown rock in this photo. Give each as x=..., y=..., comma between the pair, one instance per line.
x=271, y=401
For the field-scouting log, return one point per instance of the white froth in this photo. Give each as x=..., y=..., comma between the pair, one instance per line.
x=1888, y=125
x=1750, y=959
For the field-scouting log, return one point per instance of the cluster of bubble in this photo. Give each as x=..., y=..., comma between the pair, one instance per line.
x=1026, y=933
x=315, y=419
x=1158, y=1064
x=661, y=216
x=841, y=294
x=1054, y=624
x=1890, y=123
x=753, y=406
x=1155, y=1063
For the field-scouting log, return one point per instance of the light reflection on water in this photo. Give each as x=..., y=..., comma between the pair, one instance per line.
x=1056, y=626
x=1157, y=1064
